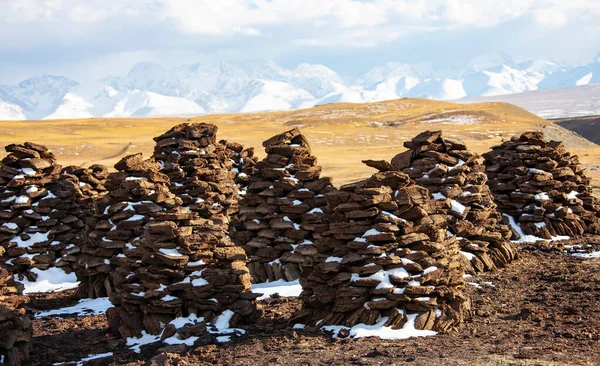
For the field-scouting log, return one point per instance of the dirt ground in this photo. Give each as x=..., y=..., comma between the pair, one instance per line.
x=542, y=310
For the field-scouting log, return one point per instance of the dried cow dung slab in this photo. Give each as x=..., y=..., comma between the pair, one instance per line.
x=282, y=212
x=183, y=277
x=386, y=256
x=244, y=163
x=137, y=192
x=541, y=187
x=40, y=212
x=201, y=170
x=15, y=326
x=457, y=182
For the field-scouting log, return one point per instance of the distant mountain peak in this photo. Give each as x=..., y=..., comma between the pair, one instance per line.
x=229, y=86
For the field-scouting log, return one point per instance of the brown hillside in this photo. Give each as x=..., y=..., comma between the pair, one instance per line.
x=341, y=134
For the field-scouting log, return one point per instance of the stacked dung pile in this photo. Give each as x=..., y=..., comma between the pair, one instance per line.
x=182, y=267
x=455, y=176
x=41, y=226
x=243, y=161
x=283, y=209
x=385, y=257
x=200, y=171
x=137, y=193
x=541, y=185
x=15, y=327
x=91, y=182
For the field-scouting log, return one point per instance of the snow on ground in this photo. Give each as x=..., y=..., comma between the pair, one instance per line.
x=87, y=358
x=281, y=287
x=82, y=308
x=52, y=279
x=528, y=238
x=454, y=120
x=581, y=251
x=587, y=255
x=220, y=326
x=381, y=331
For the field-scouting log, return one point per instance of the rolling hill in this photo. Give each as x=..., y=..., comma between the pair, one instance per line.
x=341, y=134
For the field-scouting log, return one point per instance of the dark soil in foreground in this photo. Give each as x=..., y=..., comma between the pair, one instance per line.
x=542, y=310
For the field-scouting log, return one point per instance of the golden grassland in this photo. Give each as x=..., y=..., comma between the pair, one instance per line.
x=341, y=135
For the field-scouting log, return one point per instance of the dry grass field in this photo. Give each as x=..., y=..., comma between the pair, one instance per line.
x=341, y=135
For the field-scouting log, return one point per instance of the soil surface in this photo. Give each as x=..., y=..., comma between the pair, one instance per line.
x=544, y=309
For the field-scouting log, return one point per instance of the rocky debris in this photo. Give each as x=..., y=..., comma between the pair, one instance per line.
x=137, y=192
x=180, y=275
x=455, y=177
x=40, y=215
x=282, y=212
x=200, y=170
x=15, y=326
x=385, y=254
x=541, y=185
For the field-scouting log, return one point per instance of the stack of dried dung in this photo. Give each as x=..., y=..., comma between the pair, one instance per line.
x=92, y=181
x=15, y=327
x=541, y=185
x=282, y=212
x=200, y=171
x=137, y=193
x=385, y=257
x=454, y=175
x=40, y=212
x=182, y=267
x=243, y=161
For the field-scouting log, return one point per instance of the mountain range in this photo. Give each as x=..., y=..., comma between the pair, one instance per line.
x=150, y=89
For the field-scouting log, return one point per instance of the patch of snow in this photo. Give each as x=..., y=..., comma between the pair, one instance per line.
x=381, y=331
x=457, y=207
x=34, y=238
x=170, y=252
x=371, y=232
x=438, y=196
x=528, y=238
x=10, y=225
x=52, y=279
x=281, y=287
x=587, y=255
x=469, y=256
x=22, y=200
x=84, y=307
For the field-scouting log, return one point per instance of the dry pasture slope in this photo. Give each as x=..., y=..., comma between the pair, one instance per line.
x=341, y=134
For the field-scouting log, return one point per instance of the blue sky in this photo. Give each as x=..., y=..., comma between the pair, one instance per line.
x=93, y=38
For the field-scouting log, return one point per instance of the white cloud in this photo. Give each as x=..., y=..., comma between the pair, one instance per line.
x=550, y=17
x=282, y=27
x=29, y=10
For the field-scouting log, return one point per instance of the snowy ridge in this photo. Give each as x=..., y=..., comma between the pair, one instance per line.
x=150, y=89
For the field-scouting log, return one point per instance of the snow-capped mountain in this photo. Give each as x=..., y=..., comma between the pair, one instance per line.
x=150, y=89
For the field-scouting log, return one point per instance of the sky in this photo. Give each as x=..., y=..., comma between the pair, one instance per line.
x=87, y=40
